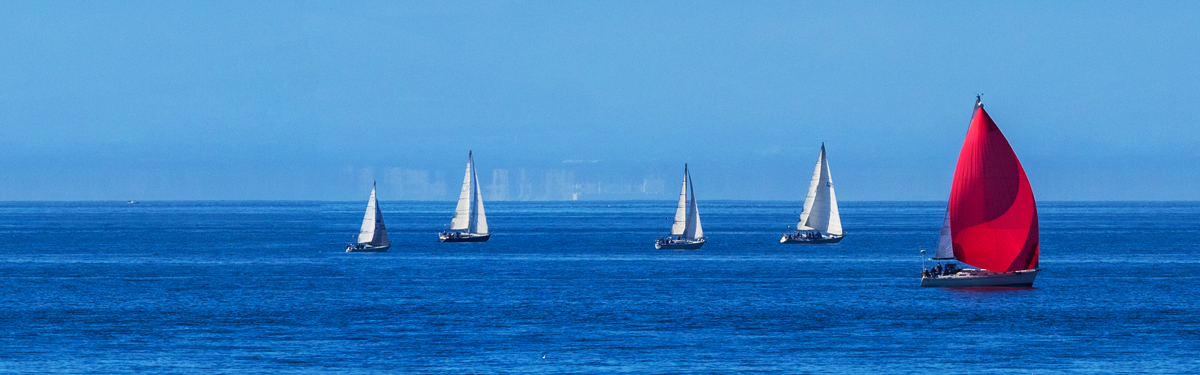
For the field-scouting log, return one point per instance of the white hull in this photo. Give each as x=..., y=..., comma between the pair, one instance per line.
x=977, y=278
x=827, y=238
x=367, y=249
x=679, y=244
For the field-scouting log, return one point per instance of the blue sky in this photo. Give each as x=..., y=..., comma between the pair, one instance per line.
x=600, y=100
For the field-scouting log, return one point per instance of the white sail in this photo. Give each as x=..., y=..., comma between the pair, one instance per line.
x=373, y=232
x=945, y=249
x=681, y=209
x=478, y=219
x=692, y=231
x=367, y=232
x=820, y=205
x=462, y=212
x=468, y=215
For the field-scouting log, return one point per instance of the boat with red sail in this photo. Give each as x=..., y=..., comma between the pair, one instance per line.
x=991, y=220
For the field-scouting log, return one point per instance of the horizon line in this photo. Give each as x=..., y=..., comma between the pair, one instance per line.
x=536, y=201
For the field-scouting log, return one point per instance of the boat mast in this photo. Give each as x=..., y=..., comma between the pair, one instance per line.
x=473, y=214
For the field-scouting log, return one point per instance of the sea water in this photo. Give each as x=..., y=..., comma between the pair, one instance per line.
x=577, y=287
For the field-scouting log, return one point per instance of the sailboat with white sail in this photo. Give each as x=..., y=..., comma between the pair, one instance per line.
x=991, y=219
x=372, y=236
x=686, y=233
x=469, y=223
x=819, y=222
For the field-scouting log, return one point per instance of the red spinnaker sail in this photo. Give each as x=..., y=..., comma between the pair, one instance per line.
x=993, y=218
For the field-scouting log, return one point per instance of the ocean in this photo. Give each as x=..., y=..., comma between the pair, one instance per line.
x=577, y=287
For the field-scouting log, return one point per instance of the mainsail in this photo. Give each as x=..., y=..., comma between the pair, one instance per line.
x=373, y=232
x=469, y=215
x=692, y=231
x=820, y=205
x=992, y=213
x=680, y=223
x=945, y=249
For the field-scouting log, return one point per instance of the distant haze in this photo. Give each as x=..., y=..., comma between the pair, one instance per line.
x=589, y=100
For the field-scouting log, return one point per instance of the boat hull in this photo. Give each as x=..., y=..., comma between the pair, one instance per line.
x=465, y=238
x=367, y=249
x=679, y=245
x=982, y=278
x=812, y=241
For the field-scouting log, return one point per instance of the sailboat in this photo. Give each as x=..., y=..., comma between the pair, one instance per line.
x=819, y=222
x=372, y=237
x=469, y=223
x=991, y=219
x=686, y=233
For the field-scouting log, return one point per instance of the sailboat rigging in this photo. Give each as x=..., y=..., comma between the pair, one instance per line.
x=686, y=232
x=819, y=222
x=470, y=222
x=372, y=236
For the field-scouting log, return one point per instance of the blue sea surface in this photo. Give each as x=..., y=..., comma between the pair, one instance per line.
x=577, y=287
